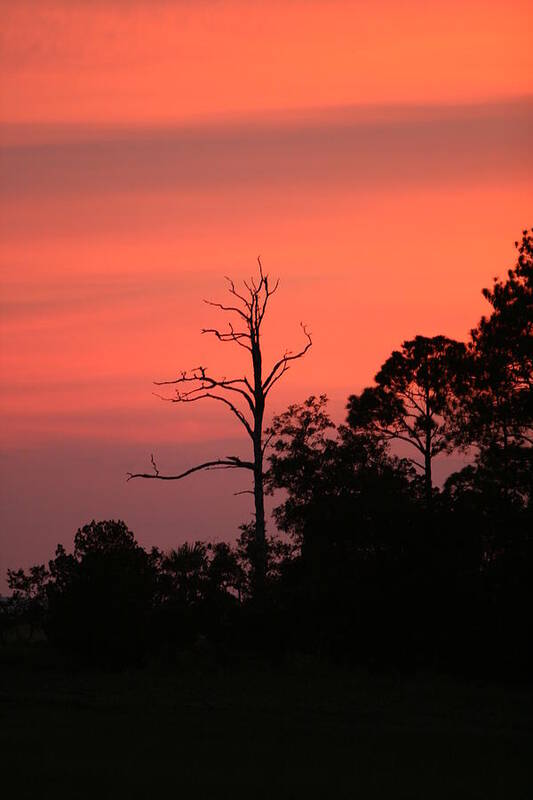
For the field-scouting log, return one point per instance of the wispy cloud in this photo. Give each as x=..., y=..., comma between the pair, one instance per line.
x=26, y=300
x=354, y=146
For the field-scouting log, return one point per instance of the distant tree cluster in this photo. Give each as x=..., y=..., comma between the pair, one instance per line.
x=373, y=562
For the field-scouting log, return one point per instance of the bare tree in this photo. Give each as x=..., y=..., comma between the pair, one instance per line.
x=244, y=397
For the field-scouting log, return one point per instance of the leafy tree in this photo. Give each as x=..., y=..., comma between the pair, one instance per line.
x=498, y=406
x=298, y=463
x=29, y=595
x=492, y=484
x=185, y=570
x=181, y=588
x=349, y=506
x=278, y=551
x=414, y=400
x=330, y=471
x=245, y=397
x=199, y=586
x=225, y=571
x=106, y=537
x=100, y=596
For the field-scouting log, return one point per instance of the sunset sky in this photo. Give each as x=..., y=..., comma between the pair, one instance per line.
x=375, y=153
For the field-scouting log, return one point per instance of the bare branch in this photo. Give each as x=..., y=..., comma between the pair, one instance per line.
x=207, y=382
x=230, y=336
x=235, y=293
x=267, y=441
x=227, y=336
x=285, y=368
x=281, y=364
x=227, y=308
x=190, y=397
x=231, y=462
x=252, y=292
x=268, y=291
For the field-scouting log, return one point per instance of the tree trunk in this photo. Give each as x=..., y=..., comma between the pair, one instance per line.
x=259, y=567
x=427, y=450
x=428, y=482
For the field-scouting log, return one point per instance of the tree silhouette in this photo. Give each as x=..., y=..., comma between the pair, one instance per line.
x=244, y=397
x=494, y=484
x=363, y=572
x=414, y=400
x=100, y=596
x=330, y=472
x=29, y=595
x=499, y=400
x=496, y=408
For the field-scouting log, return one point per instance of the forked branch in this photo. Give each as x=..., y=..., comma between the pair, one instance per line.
x=205, y=382
x=281, y=366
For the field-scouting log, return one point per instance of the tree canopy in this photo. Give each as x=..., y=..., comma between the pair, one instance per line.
x=414, y=400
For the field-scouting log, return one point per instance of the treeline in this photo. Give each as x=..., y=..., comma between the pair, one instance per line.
x=372, y=562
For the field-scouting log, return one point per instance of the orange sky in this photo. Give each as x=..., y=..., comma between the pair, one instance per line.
x=377, y=154
x=122, y=60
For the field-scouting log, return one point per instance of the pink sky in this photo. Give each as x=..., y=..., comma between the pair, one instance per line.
x=376, y=154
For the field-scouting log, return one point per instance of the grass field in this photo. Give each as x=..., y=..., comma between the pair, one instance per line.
x=299, y=730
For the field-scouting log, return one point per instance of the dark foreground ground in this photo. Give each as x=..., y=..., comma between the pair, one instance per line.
x=299, y=730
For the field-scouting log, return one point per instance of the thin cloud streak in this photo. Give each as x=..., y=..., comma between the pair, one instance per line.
x=50, y=296
x=409, y=145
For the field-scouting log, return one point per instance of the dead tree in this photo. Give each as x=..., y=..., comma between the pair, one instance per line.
x=245, y=397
